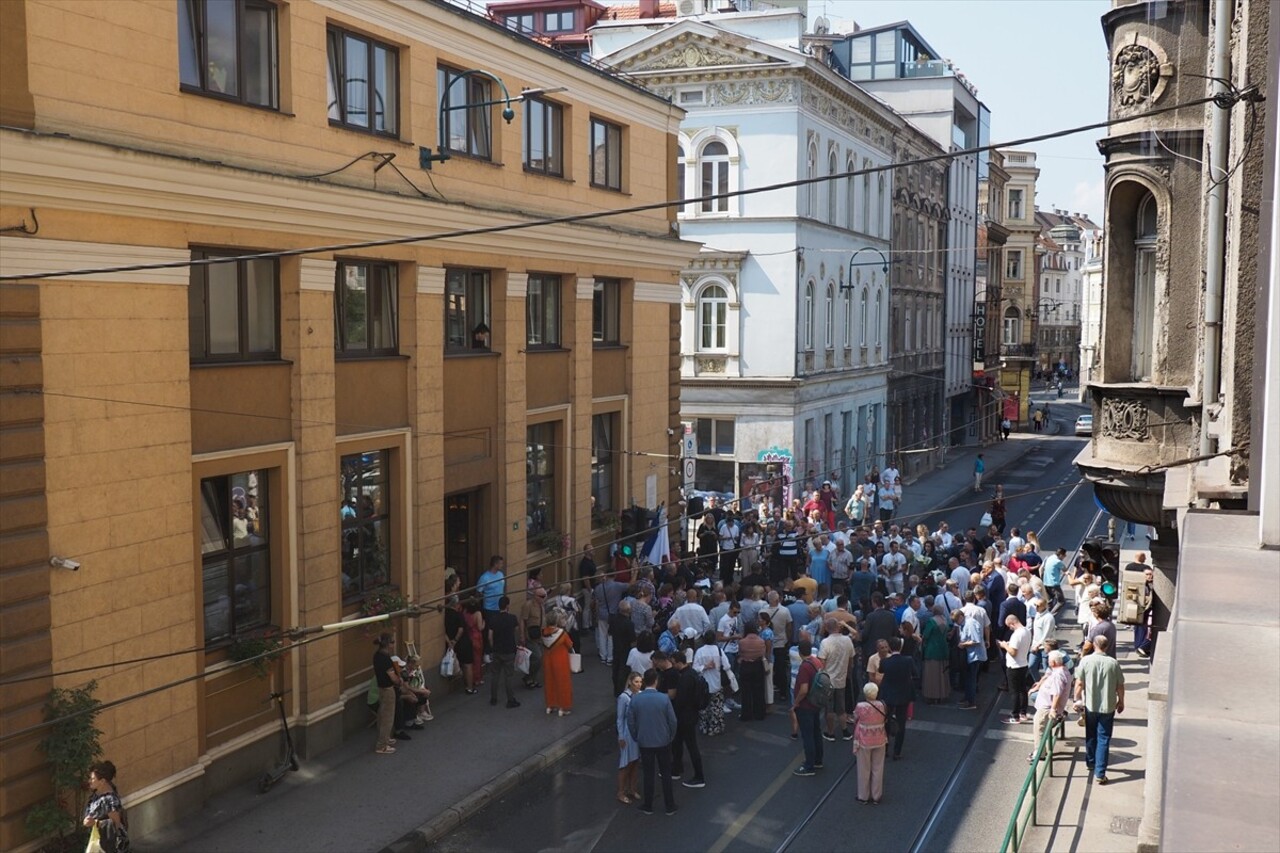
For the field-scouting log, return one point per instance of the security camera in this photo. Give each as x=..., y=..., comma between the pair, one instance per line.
x=64, y=563
x=670, y=431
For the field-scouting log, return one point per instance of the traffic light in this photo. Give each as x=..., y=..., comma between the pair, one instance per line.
x=1103, y=559
x=635, y=526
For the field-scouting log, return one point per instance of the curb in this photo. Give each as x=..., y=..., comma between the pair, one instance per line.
x=451, y=817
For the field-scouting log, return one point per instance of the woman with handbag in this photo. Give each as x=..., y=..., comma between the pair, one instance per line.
x=628, y=749
x=458, y=642
x=869, y=743
x=557, y=683
x=104, y=815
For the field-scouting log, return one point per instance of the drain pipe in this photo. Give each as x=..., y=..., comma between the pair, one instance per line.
x=1216, y=221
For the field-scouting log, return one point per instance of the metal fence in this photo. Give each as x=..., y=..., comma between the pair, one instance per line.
x=1024, y=811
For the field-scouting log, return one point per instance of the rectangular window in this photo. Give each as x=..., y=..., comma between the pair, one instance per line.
x=560, y=22
x=365, y=309
x=232, y=309
x=540, y=479
x=606, y=155
x=606, y=308
x=603, y=442
x=364, y=494
x=364, y=83
x=715, y=437
x=543, y=135
x=466, y=310
x=520, y=23
x=228, y=48
x=235, y=554
x=1015, y=204
x=465, y=127
x=1013, y=265
x=542, y=311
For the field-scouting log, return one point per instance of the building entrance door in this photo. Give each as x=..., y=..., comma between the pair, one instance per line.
x=462, y=535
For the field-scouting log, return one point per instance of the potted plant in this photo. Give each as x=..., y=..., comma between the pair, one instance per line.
x=554, y=542
x=261, y=648
x=383, y=600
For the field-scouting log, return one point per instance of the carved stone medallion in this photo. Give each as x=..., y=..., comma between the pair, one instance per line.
x=1136, y=77
x=1124, y=419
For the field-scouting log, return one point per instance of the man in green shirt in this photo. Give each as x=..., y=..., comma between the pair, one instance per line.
x=1100, y=682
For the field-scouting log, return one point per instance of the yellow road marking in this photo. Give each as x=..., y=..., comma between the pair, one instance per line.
x=740, y=823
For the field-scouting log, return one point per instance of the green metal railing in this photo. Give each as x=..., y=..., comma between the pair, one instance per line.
x=1016, y=831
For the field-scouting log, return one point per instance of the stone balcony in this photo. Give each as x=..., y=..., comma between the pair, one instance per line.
x=1137, y=429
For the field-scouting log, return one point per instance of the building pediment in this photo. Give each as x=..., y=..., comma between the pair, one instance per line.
x=681, y=48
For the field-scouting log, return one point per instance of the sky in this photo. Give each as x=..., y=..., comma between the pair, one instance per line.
x=1039, y=65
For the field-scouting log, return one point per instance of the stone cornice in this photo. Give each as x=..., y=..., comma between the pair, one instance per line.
x=318, y=274
x=28, y=256
x=67, y=174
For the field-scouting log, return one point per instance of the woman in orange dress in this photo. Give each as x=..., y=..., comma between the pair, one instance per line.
x=475, y=632
x=557, y=685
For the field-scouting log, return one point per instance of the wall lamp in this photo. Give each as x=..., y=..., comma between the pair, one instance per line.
x=884, y=265
x=426, y=158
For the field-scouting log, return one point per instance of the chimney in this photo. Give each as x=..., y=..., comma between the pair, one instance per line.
x=648, y=8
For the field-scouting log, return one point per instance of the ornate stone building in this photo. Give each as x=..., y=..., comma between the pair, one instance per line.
x=1184, y=394
x=1020, y=292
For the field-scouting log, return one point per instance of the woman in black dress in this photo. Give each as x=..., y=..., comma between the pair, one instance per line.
x=457, y=639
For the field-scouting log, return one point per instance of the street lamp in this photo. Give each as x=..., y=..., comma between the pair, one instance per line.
x=884, y=265
x=426, y=158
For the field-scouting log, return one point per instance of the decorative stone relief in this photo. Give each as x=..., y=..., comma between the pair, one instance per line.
x=1139, y=75
x=752, y=91
x=711, y=365
x=1124, y=419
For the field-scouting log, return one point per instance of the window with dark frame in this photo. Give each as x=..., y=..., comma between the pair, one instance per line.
x=466, y=304
x=464, y=128
x=540, y=479
x=366, y=311
x=542, y=312
x=543, y=137
x=230, y=49
x=714, y=437
x=520, y=23
x=606, y=155
x=364, y=83
x=603, y=467
x=559, y=22
x=233, y=309
x=364, y=488
x=235, y=554
x=606, y=309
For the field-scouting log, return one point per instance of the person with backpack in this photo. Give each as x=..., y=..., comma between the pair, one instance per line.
x=104, y=814
x=813, y=695
x=691, y=695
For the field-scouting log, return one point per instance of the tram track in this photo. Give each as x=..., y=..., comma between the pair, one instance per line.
x=953, y=781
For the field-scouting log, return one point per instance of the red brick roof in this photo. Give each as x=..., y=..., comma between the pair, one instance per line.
x=632, y=13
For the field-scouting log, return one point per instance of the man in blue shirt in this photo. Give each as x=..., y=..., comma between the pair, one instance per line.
x=979, y=468
x=1053, y=570
x=975, y=649
x=491, y=586
x=652, y=721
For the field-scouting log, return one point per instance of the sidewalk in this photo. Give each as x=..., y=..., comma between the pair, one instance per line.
x=351, y=799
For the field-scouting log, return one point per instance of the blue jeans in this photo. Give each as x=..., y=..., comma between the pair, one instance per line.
x=810, y=721
x=971, y=681
x=1097, y=741
x=1140, y=635
x=1036, y=664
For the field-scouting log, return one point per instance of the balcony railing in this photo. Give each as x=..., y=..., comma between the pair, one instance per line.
x=1018, y=350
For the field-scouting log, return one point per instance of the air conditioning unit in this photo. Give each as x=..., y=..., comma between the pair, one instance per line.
x=686, y=8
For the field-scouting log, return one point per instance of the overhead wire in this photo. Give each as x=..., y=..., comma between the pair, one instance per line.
x=590, y=216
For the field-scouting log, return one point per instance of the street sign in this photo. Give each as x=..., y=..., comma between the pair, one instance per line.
x=690, y=466
x=689, y=446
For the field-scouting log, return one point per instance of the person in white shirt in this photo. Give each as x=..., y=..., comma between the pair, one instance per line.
x=692, y=614
x=943, y=534
x=895, y=564
x=1016, y=541
x=910, y=616
x=889, y=476
x=960, y=575
x=1042, y=628
x=1016, y=651
x=949, y=601
x=837, y=654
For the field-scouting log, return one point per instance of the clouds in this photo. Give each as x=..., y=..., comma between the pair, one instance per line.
x=1086, y=198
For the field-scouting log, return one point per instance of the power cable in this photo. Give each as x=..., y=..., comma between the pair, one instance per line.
x=1227, y=98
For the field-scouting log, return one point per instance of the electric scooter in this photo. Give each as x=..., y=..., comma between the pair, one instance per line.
x=289, y=762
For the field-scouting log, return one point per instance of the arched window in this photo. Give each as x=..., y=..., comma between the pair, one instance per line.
x=866, y=198
x=850, y=199
x=808, y=316
x=713, y=318
x=1144, y=287
x=921, y=343
x=846, y=300
x=862, y=318
x=833, y=200
x=811, y=172
x=907, y=330
x=880, y=217
x=1012, y=330
x=829, y=316
x=879, y=313
x=681, y=191
x=714, y=165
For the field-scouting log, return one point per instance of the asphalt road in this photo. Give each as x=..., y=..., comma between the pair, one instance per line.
x=753, y=803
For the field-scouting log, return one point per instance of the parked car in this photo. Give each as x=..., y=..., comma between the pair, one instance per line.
x=1084, y=425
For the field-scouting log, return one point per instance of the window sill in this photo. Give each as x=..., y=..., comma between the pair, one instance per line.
x=468, y=353
x=229, y=99
x=392, y=356
x=366, y=131
x=609, y=346
x=263, y=362
x=534, y=350
x=618, y=190
x=472, y=158
x=538, y=173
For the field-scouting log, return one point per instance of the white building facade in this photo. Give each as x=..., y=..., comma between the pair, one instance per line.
x=784, y=343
